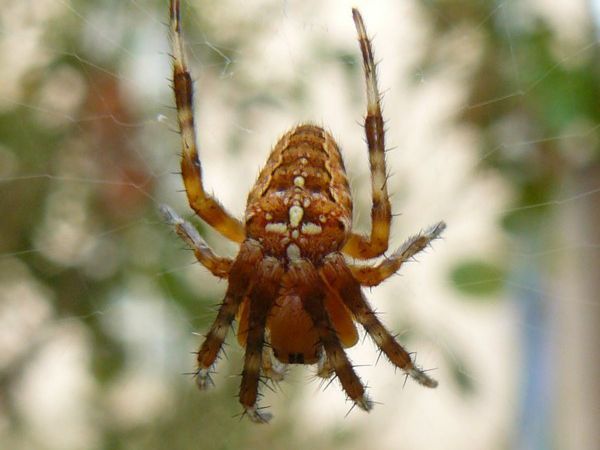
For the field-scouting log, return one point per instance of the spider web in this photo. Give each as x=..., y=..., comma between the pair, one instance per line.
x=98, y=296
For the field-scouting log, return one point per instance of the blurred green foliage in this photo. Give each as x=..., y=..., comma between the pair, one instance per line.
x=535, y=101
x=478, y=279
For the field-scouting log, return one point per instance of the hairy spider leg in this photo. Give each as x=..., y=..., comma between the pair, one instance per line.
x=360, y=246
x=262, y=294
x=305, y=280
x=272, y=368
x=324, y=369
x=343, y=323
x=373, y=275
x=209, y=209
x=241, y=276
x=217, y=265
x=338, y=277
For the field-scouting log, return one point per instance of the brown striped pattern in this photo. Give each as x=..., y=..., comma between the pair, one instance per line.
x=305, y=278
x=339, y=278
x=209, y=209
x=240, y=280
x=373, y=275
x=266, y=285
x=376, y=243
x=217, y=265
x=310, y=154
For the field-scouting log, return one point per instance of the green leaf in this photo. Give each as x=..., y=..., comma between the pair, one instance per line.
x=478, y=278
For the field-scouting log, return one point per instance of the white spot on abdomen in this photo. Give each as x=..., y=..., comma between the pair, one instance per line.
x=311, y=228
x=296, y=213
x=293, y=252
x=278, y=227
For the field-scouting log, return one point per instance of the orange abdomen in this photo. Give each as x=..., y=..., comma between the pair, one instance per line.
x=300, y=205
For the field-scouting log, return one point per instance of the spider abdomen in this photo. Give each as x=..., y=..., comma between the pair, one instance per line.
x=300, y=205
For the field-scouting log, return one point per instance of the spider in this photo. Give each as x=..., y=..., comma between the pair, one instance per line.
x=290, y=287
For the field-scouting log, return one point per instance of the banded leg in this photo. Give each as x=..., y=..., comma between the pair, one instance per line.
x=306, y=280
x=209, y=209
x=241, y=274
x=359, y=246
x=263, y=293
x=272, y=368
x=218, y=266
x=372, y=276
x=338, y=277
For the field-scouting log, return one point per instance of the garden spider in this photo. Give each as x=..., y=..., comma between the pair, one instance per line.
x=290, y=288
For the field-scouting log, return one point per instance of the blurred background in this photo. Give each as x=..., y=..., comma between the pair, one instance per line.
x=493, y=113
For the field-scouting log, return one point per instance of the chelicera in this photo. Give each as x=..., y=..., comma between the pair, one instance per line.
x=295, y=296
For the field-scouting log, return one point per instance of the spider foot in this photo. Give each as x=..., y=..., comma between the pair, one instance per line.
x=272, y=368
x=276, y=371
x=324, y=368
x=170, y=215
x=257, y=414
x=203, y=379
x=422, y=378
x=435, y=230
x=364, y=402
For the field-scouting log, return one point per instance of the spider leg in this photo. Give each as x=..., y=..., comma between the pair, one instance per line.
x=209, y=209
x=218, y=266
x=359, y=246
x=338, y=277
x=266, y=285
x=324, y=369
x=372, y=276
x=272, y=368
x=305, y=280
x=240, y=277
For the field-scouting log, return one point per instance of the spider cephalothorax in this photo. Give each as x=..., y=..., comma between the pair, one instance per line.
x=290, y=287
